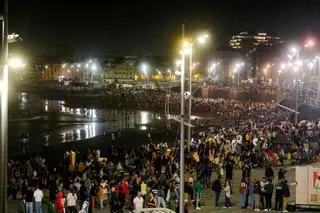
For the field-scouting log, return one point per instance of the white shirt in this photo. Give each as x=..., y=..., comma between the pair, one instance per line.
x=85, y=205
x=78, y=185
x=71, y=199
x=227, y=190
x=138, y=202
x=38, y=195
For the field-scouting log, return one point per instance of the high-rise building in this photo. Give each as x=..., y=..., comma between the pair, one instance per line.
x=249, y=40
x=257, y=47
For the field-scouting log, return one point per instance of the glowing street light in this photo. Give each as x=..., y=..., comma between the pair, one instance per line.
x=310, y=65
x=94, y=67
x=144, y=68
x=309, y=43
x=202, y=38
x=293, y=50
x=237, y=70
x=187, y=47
x=16, y=62
x=299, y=62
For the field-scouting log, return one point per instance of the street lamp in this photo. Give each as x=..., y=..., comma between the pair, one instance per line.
x=16, y=63
x=188, y=48
x=202, y=38
x=213, y=67
x=309, y=43
x=296, y=52
x=145, y=68
x=237, y=70
x=94, y=67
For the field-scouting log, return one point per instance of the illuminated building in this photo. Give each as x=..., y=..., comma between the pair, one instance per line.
x=257, y=47
x=248, y=40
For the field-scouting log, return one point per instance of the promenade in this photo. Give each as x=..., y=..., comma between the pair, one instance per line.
x=208, y=196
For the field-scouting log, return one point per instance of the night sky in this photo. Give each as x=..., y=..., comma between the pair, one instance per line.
x=106, y=27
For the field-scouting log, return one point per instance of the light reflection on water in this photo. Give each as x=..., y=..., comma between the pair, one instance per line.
x=76, y=123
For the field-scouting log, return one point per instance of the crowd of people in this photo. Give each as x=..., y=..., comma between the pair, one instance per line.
x=155, y=99
x=147, y=175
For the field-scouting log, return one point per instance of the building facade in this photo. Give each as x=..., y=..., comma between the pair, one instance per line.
x=256, y=47
x=248, y=40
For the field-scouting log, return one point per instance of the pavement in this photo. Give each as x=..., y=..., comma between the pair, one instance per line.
x=208, y=196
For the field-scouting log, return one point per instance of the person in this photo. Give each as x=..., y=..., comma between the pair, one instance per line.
x=246, y=170
x=124, y=186
x=161, y=201
x=29, y=200
x=38, y=195
x=281, y=173
x=262, y=192
x=138, y=201
x=198, y=191
x=50, y=207
x=243, y=193
x=93, y=194
x=87, y=205
x=216, y=188
x=251, y=189
x=229, y=168
x=279, y=196
x=114, y=201
x=143, y=189
x=100, y=196
x=71, y=202
x=152, y=203
x=59, y=203
x=190, y=188
x=286, y=195
x=122, y=199
x=257, y=196
x=269, y=172
x=21, y=206
x=172, y=197
x=227, y=194
x=268, y=194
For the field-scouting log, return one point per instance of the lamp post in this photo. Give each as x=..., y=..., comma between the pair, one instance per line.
x=4, y=112
x=297, y=90
x=201, y=40
x=181, y=184
x=190, y=98
x=237, y=70
x=145, y=71
x=93, y=68
x=296, y=51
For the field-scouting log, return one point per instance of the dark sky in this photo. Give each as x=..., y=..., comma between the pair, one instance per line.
x=121, y=27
